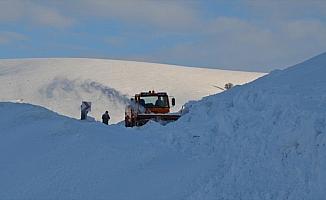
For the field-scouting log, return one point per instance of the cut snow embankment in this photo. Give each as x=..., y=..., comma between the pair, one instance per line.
x=268, y=137
x=47, y=156
x=263, y=140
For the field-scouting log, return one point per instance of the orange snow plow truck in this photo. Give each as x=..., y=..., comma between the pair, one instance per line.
x=150, y=106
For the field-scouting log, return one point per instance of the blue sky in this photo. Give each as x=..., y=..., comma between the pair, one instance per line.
x=250, y=35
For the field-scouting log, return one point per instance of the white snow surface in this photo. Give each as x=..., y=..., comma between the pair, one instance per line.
x=262, y=140
x=60, y=84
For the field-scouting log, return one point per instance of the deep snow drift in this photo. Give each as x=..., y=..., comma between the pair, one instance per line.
x=61, y=84
x=47, y=156
x=262, y=140
x=268, y=137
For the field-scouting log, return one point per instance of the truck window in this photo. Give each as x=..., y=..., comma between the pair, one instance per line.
x=151, y=101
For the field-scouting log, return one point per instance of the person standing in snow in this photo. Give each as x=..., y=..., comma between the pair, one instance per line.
x=83, y=114
x=106, y=118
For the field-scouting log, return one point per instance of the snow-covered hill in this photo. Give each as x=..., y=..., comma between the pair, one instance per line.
x=61, y=84
x=262, y=140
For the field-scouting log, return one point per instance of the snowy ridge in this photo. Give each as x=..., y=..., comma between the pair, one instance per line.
x=60, y=84
x=268, y=137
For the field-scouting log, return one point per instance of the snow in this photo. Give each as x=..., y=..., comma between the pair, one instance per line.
x=263, y=140
x=268, y=137
x=60, y=84
x=47, y=156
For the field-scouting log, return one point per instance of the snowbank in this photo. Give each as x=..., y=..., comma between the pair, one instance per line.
x=268, y=137
x=47, y=156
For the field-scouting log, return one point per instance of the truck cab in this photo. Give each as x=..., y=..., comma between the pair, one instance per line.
x=154, y=102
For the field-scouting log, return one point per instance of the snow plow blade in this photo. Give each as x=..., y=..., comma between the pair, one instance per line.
x=142, y=119
x=159, y=117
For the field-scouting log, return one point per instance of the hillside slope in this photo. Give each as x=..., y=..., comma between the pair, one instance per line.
x=61, y=84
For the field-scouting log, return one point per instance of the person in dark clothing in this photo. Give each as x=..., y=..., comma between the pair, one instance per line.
x=106, y=118
x=83, y=115
x=159, y=102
